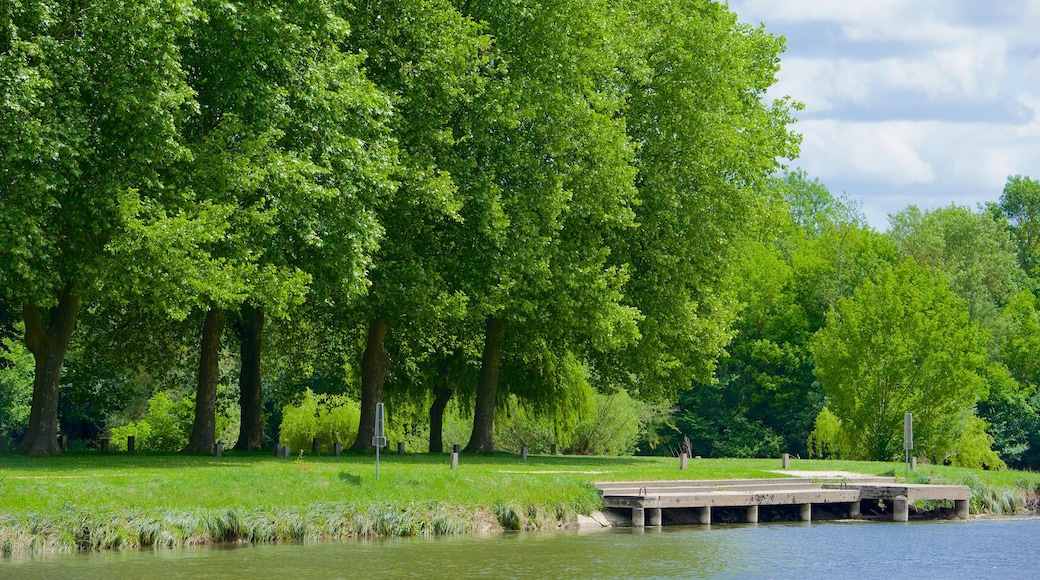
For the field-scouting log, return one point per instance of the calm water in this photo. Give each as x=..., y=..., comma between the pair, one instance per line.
x=1005, y=549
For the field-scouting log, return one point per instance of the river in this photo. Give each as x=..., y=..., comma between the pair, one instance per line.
x=985, y=548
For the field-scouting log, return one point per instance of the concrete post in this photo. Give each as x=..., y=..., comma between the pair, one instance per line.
x=785, y=460
x=278, y=450
x=806, y=512
x=552, y=449
x=682, y=461
x=752, y=514
x=454, y=460
x=900, y=509
x=218, y=449
x=961, y=506
x=63, y=442
x=286, y=452
x=337, y=449
x=705, y=515
x=854, y=509
x=400, y=448
x=638, y=517
x=106, y=445
x=315, y=445
x=130, y=443
x=653, y=516
x=913, y=464
x=523, y=453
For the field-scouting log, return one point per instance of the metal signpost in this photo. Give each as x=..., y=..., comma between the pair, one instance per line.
x=908, y=439
x=379, y=440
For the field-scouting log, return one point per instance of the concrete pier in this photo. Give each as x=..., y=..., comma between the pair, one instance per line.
x=647, y=499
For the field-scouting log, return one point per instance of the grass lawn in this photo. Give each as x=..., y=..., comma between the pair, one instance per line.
x=88, y=500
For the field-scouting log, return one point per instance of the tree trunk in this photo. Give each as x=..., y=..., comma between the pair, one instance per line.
x=204, y=430
x=251, y=396
x=482, y=439
x=443, y=393
x=374, y=364
x=47, y=341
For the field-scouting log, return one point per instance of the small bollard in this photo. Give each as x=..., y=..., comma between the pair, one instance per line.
x=785, y=460
x=682, y=461
x=337, y=449
x=286, y=452
x=277, y=449
x=63, y=442
x=130, y=443
x=913, y=464
x=523, y=453
x=400, y=448
x=218, y=449
x=315, y=445
x=454, y=459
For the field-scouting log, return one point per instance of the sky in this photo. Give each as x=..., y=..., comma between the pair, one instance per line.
x=922, y=102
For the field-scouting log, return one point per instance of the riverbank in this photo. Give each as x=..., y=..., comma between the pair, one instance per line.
x=88, y=501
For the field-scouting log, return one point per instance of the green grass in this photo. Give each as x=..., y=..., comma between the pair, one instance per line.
x=91, y=501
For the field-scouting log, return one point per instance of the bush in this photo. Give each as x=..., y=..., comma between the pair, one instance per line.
x=165, y=426
x=17, y=368
x=332, y=418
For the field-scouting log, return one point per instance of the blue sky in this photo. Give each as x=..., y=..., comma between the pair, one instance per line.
x=923, y=102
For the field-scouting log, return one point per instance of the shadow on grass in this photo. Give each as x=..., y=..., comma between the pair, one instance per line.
x=350, y=478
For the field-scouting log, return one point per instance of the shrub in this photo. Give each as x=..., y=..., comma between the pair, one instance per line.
x=332, y=418
x=17, y=368
x=165, y=426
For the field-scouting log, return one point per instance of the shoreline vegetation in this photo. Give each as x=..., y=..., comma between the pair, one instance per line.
x=88, y=501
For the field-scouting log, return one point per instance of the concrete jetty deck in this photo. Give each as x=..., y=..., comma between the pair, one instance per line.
x=647, y=499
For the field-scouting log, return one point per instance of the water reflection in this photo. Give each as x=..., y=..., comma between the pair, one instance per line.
x=850, y=549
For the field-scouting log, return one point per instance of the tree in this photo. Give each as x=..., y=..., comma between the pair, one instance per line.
x=431, y=61
x=92, y=92
x=706, y=144
x=902, y=343
x=547, y=187
x=971, y=249
x=1020, y=202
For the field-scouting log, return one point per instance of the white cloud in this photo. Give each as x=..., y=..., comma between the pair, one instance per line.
x=961, y=73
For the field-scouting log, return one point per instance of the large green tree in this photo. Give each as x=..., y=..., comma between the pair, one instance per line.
x=92, y=92
x=707, y=141
x=547, y=187
x=903, y=342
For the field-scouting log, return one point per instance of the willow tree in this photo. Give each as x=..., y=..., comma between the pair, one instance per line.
x=92, y=93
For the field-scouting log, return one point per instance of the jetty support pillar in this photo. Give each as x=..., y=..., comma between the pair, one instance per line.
x=854, y=509
x=653, y=516
x=900, y=509
x=705, y=515
x=638, y=517
x=805, y=513
x=752, y=514
x=961, y=506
